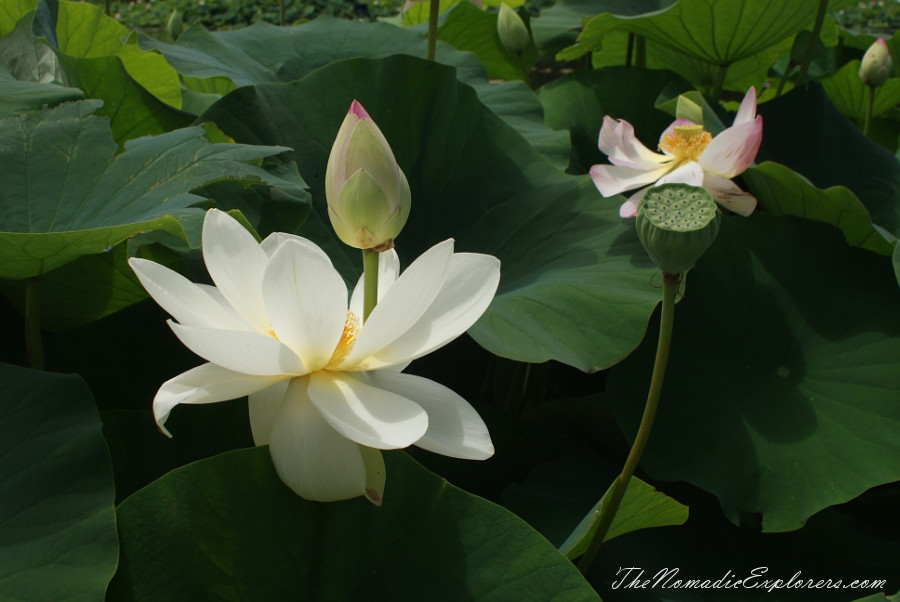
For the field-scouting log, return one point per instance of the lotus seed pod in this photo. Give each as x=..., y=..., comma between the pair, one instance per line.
x=676, y=224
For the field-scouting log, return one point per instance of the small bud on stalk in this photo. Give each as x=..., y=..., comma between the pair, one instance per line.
x=512, y=31
x=367, y=193
x=876, y=65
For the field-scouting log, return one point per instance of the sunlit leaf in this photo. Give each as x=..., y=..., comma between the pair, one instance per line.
x=228, y=528
x=66, y=193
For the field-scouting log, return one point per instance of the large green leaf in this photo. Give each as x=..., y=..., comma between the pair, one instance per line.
x=804, y=132
x=66, y=194
x=781, y=191
x=265, y=53
x=57, y=521
x=718, y=32
x=227, y=528
x=782, y=394
x=576, y=284
x=10, y=13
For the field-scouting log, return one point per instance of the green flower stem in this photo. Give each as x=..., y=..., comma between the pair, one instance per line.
x=629, y=50
x=720, y=81
x=434, y=9
x=281, y=12
x=608, y=509
x=370, y=281
x=33, y=342
x=870, y=103
x=813, y=41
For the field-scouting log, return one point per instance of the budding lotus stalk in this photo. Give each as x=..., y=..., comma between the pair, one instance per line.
x=677, y=223
x=512, y=31
x=367, y=192
x=876, y=65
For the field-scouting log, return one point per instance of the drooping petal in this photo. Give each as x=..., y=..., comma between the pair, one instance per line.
x=404, y=303
x=236, y=264
x=465, y=294
x=747, y=110
x=629, y=208
x=376, y=474
x=454, y=427
x=612, y=179
x=263, y=409
x=207, y=383
x=306, y=300
x=688, y=173
x=242, y=351
x=309, y=456
x=733, y=151
x=388, y=271
x=368, y=415
x=727, y=194
x=622, y=147
x=189, y=303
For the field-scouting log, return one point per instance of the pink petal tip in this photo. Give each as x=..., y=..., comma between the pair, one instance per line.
x=357, y=109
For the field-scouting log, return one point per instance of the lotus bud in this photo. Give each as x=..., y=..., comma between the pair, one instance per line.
x=876, y=66
x=368, y=195
x=175, y=25
x=676, y=224
x=512, y=31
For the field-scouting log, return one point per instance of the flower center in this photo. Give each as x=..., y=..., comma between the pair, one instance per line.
x=348, y=338
x=686, y=142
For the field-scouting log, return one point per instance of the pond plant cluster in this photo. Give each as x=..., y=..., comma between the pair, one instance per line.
x=476, y=302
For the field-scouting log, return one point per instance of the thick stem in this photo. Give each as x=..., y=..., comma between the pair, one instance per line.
x=370, y=281
x=629, y=48
x=281, y=12
x=33, y=342
x=434, y=9
x=640, y=52
x=720, y=81
x=617, y=492
x=784, y=78
x=870, y=103
x=813, y=41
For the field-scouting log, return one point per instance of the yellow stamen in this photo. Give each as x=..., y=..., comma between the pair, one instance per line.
x=352, y=327
x=685, y=141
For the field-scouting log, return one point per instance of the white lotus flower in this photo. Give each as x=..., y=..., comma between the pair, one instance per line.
x=326, y=392
x=690, y=156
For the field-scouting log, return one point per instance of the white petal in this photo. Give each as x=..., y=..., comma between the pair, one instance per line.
x=185, y=301
x=388, y=270
x=612, y=179
x=242, y=351
x=622, y=147
x=404, y=303
x=366, y=414
x=208, y=383
x=264, y=407
x=376, y=474
x=306, y=300
x=236, y=264
x=689, y=173
x=629, y=208
x=747, y=111
x=454, y=427
x=275, y=240
x=309, y=456
x=733, y=151
x=727, y=194
x=464, y=296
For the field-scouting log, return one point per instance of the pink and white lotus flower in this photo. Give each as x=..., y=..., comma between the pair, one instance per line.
x=690, y=155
